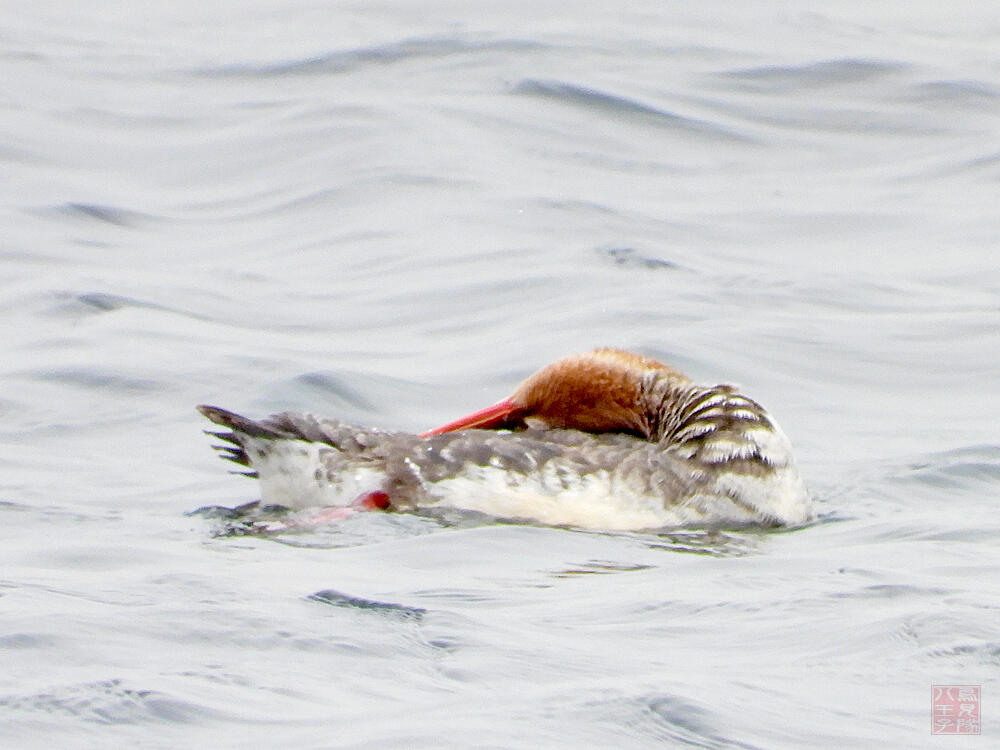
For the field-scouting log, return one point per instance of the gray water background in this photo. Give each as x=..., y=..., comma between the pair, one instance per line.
x=391, y=213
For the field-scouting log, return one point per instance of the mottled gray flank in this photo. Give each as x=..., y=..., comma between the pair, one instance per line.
x=408, y=460
x=697, y=434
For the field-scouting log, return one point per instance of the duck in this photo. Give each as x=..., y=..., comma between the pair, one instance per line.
x=604, y=440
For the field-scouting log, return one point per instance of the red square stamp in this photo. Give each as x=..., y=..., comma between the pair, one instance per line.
x=955, y=709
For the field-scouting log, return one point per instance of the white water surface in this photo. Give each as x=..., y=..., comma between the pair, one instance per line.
x=392, y=212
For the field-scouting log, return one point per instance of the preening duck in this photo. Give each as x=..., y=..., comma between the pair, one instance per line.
x=603, y=440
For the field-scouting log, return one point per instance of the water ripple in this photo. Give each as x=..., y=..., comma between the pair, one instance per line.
x=343, y=61
x=963, y=468
x=387, y=609
x=811, y=75
x=631, y=258
x=965, y=93
x=623, y=107
x=105, y=702
x=96, y=379
x=121, y=217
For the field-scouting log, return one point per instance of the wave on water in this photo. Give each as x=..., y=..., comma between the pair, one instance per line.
x=629, y=257
x=115, y=215
x=351, y=60
x=387, y=609
x=624, y=107
x=800, y=77
x=106, y=702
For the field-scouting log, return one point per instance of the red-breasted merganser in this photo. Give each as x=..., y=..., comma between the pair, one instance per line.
x=604, y=440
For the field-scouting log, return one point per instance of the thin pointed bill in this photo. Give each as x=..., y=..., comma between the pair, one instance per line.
x=490, y=417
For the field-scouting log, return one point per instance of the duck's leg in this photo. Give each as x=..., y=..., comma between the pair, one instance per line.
x=365, y=502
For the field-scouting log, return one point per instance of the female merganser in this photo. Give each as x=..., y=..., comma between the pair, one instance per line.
x=604, y=440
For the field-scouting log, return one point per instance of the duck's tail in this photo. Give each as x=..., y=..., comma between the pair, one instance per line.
x=240, y=427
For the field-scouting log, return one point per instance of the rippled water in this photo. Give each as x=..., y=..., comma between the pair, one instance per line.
x=390, y=213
